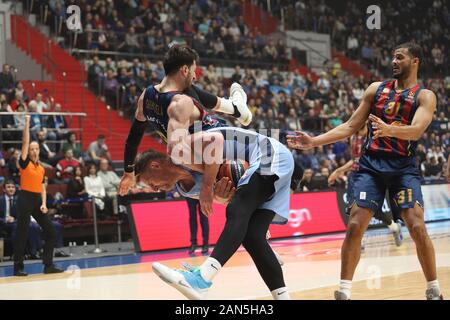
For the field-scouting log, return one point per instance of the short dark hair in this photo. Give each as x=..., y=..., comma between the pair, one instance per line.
x=101, y=136
x=413, y=48
x=178, y=56
x=10, y=181
x=145, y=157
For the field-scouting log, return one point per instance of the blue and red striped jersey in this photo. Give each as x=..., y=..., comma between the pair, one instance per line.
x=395, y=108
x=155, y=110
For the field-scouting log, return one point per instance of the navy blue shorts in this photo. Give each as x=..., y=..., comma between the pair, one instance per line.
x=377, y=174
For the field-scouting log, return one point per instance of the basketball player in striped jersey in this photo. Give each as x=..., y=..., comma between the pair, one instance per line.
x=357, y=142
x=172, y=107
x=399, y=111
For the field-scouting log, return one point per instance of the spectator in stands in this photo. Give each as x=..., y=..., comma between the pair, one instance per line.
x=219, y=48
x=98, y=150
x=6, y=80
x=19, y=120
x=41, y=106
x=131, y=43
x=47, y=156
x=110, y=182
x=320, y=180
x=95, y=75
x=12, y=166
x=352, y=46
x=72, y=144
x=306, y=180
x=8, y=220
x=38, y=123
x=18, y=100
x=270, y=52
x=59, y=124
x=110, y=88
x=8, y=125
x=2, y=160
x=20, y=90
x=130, y=100
x=142, y=80
x=236, y=76
x=77, y=193
x=2, y=165
x=159, y=71
x=194, y=207
x=66, y=167
x=94, y=188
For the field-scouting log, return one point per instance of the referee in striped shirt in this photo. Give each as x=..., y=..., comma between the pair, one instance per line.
x=32, y=202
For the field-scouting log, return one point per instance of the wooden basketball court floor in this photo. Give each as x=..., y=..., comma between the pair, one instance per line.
x=311, y=269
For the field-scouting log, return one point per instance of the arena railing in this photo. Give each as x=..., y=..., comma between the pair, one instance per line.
x=71, y=128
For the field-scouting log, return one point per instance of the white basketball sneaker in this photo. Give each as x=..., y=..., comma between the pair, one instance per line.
x=189, y=282
x=239, y=99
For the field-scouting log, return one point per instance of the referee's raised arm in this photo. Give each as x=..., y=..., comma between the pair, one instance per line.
x=26, y=138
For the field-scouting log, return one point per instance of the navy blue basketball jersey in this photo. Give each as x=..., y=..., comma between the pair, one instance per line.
x=155, y=110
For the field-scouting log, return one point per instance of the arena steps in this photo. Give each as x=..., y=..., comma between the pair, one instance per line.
x=70, y=91
x=99, y=119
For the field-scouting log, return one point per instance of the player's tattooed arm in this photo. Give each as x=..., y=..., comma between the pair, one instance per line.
x=421, y=121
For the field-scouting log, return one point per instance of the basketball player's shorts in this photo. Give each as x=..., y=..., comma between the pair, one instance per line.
x=394, y=212
x=377, y=174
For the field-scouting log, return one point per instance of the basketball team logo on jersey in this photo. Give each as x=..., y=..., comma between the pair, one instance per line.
x=157, y=109
x=395, y=108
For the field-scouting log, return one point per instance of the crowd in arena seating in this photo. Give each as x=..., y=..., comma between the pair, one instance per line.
x=426, y=22
x=286, y=101
x=279, y=99
x=60, y=151
x=215, y=29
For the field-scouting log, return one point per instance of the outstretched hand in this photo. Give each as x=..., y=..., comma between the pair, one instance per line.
x=300, y=140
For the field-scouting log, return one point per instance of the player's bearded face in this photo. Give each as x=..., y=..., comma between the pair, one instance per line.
x=190, y=75
x=401, y=63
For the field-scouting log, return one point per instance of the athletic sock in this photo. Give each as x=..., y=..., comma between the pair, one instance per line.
x=434, y=285
x=226, y=106
x=345, y=286
x=280, y=294
x=393, y=226
x=209, y=269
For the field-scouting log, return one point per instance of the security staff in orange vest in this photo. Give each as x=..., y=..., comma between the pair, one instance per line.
x=32, y=202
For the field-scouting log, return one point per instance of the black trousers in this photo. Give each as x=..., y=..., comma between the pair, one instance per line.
x=193, y=204
x=28, y=204
x=248, y=225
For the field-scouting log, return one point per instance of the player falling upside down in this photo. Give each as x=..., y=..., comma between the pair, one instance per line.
x=262, y=197
x=400, y=111
x=357, y=141
x=172, y=107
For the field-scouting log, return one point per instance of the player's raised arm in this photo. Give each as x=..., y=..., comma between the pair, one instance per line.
x=303, y=141
x=421, y=121
x=131, y=147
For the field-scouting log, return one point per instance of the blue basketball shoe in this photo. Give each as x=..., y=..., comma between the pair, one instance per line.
x=189, y=281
